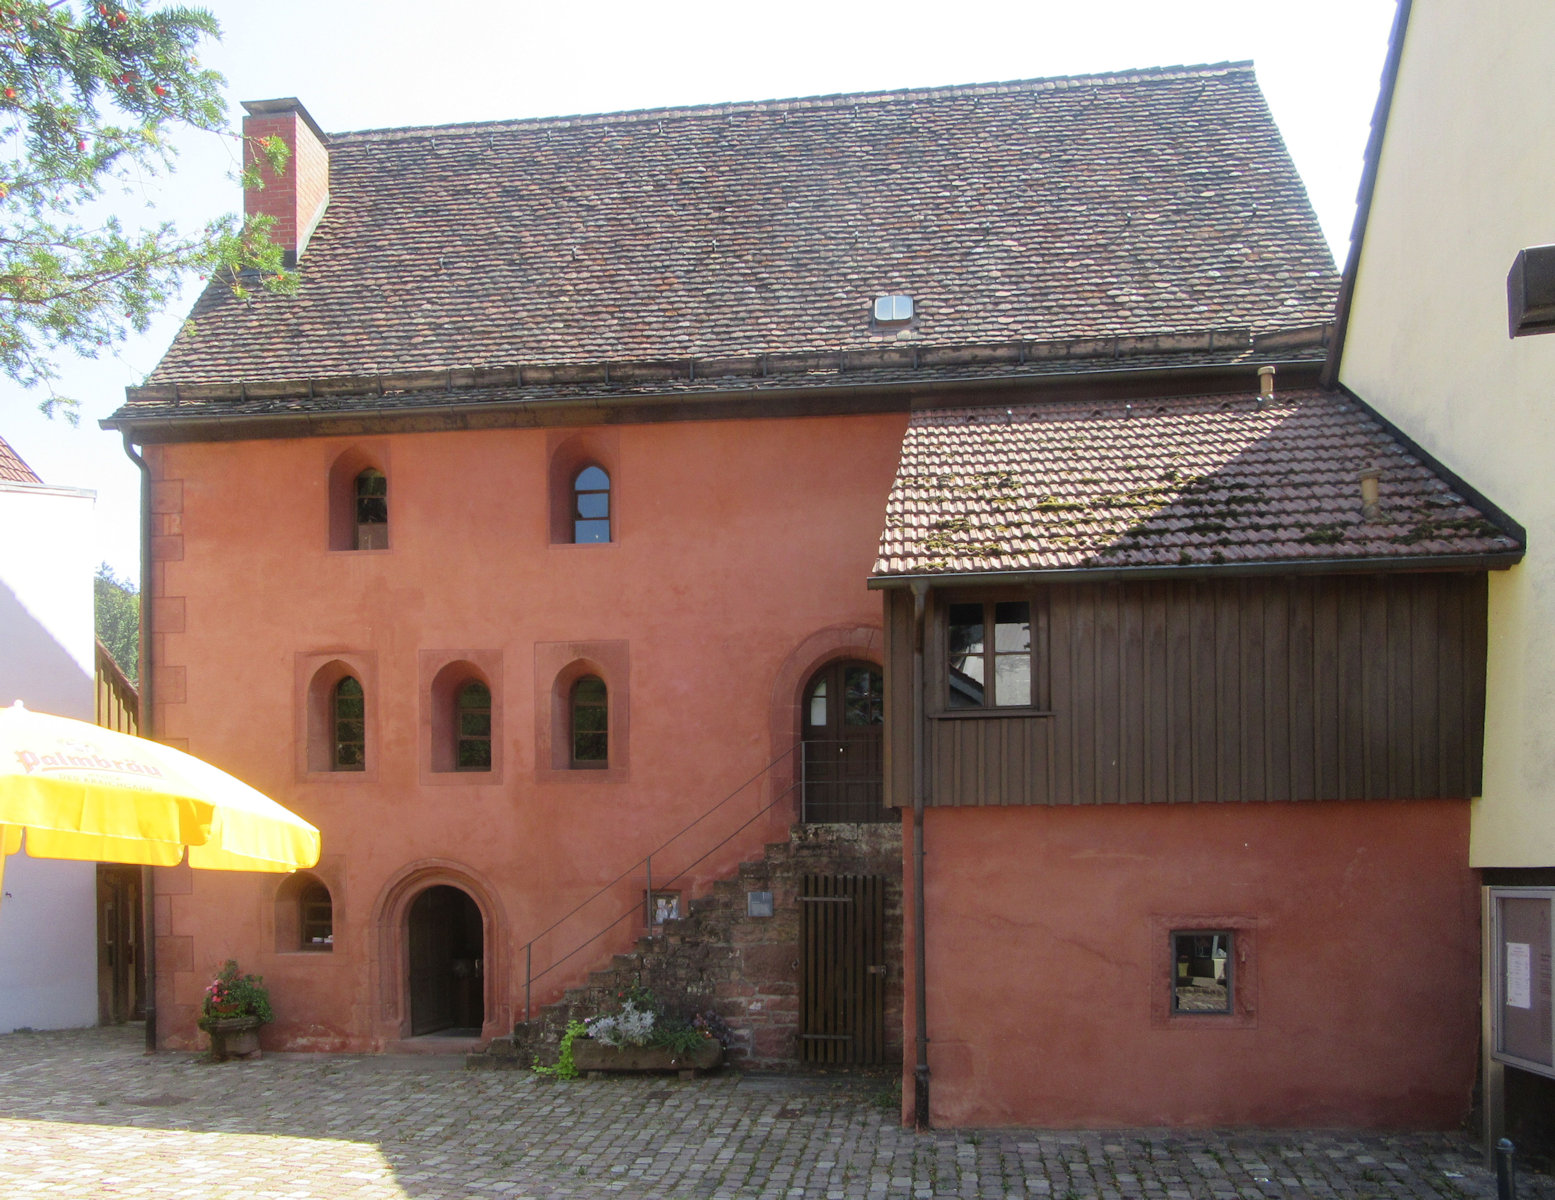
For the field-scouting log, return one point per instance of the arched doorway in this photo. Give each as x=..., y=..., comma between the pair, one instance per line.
x=843, y=718
x=447, y=964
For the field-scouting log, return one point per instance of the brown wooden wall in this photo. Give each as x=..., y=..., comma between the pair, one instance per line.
x=118, y=700
x=1311, y=688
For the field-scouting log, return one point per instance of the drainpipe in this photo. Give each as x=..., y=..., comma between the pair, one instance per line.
x=147, y=723
x=920, y=591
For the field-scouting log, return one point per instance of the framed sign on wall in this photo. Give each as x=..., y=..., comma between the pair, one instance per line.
x=1522, y=978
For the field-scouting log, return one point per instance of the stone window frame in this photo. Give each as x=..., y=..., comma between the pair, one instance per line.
x=569, y=454
x=441, y=673
x=290, y=911
x=316, y=676
x=346, y=467
x=558, y=666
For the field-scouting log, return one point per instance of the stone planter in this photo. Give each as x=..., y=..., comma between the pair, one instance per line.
x=595, y=1058
x=232, y=1037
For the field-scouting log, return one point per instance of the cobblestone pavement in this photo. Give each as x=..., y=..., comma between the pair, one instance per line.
x=86, y=1115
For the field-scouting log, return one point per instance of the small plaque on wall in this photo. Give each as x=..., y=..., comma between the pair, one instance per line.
x=1523, y=941
x=758, y=904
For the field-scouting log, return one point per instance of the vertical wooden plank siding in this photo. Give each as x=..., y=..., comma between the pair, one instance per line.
x=1475, y=637
x=898, y=699
x=1300, y=718
x=118, y=700
x=1310, y=688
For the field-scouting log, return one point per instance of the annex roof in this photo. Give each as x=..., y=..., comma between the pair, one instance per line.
x=12, y=468
x=1190, y=482
x=1106, y=206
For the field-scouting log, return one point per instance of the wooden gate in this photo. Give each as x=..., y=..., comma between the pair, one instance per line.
x=842, y=969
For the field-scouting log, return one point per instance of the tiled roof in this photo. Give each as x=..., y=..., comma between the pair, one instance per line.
x=893, y=368
x=1100, y=206
x=1182, y=482
x=12, y=468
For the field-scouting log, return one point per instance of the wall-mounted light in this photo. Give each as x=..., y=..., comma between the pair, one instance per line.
x=1530, y=292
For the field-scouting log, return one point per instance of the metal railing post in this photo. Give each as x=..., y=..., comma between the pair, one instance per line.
x=804, y=790
x=1506, y=1170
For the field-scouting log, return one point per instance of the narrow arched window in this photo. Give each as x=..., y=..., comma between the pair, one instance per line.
x=316, y=918
x=348, y=726
x=591, y=506
x=372, y=510
x=472, y=716
x=590, y=723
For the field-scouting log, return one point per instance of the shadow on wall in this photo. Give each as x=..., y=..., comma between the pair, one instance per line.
x=35, y=668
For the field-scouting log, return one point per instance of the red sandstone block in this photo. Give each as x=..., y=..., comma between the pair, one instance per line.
x=169, y=684
x=167, y=615
x=167, y=549
x=167, y=496
x=175, y=953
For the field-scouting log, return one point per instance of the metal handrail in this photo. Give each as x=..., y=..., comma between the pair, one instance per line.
x=646, y=861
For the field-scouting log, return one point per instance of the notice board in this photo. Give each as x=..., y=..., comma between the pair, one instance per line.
x=1523, y=943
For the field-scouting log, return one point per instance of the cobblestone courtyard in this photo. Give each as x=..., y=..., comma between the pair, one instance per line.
x=87, y=1115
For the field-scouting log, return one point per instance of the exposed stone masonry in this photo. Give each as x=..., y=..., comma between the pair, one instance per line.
x=744, y=968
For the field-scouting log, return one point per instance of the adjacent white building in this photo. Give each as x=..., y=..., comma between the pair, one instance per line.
x=1459, y=181
x=48, y=918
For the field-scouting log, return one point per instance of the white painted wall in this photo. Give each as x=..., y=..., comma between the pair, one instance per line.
x=48, y=912
x=1465, y=181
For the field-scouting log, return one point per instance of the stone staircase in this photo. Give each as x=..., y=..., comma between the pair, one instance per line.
x=727, y=956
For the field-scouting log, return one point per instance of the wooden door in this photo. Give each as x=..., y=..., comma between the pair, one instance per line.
x=844, y=762
x=842, y=969
x=447, y=969
x=119, y=995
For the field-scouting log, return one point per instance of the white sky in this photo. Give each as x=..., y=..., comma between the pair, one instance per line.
x=360, y=65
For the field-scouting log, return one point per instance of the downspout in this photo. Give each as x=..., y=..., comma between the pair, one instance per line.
x=920, y=591
x=147, y=729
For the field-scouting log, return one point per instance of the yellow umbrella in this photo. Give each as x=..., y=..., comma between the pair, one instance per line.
x=80, y=791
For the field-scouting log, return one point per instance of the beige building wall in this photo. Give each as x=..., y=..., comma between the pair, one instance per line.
x=1466, y=179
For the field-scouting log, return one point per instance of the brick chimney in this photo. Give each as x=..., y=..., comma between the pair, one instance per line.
x=298, y=197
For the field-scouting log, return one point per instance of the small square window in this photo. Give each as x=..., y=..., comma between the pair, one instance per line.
x=893, y=309
x=1202, y=971
x=666, y=907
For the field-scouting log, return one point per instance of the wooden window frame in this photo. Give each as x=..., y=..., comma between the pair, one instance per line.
x=337, y=741
x=462, y=738
x=370, y=511
x=1038, y=653
x=308, y=923
x=574, y=734
x=579, y=518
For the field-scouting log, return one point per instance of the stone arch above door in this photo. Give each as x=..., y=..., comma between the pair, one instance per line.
x=863, y=642
x=391, y=969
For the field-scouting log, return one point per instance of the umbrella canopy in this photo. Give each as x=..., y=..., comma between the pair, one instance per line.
x=80, y=791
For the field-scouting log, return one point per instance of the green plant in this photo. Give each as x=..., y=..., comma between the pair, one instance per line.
x=233, y=994
x=676, y=1035
x=565, y=1067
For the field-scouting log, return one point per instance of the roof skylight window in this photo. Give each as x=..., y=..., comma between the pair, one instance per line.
x=891, y=309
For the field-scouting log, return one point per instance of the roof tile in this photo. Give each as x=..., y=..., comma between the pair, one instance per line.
x=1100, y=206
x=12, y=468
x=1180, y=482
